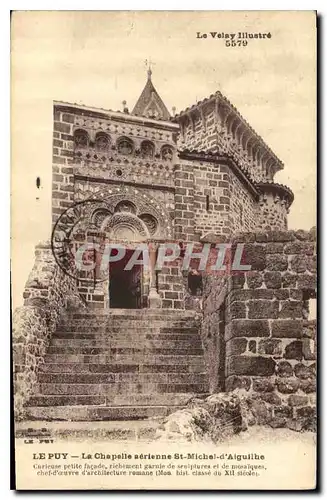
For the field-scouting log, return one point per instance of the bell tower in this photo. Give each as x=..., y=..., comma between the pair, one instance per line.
x=150, y=104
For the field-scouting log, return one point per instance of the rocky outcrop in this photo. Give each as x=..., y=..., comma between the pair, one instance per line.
x=212, y=419
x=222, y=415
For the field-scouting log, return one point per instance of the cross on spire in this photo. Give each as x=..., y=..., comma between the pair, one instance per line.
x=149, y=103
x=149, y=64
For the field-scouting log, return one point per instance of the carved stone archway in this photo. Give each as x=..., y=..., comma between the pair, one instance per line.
x=126, y=229
x=153, y=212
x=131, y=217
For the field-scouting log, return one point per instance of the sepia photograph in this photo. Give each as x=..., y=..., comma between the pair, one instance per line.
x=164, y=274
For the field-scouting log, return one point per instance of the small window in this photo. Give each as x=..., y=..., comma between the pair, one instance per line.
x=167, y=153
x=207, y=203
x=101, y=142
x=125, y=146
x=147, y=149
x=81, y=139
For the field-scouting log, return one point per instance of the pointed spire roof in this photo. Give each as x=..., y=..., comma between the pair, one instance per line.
x=150, y=104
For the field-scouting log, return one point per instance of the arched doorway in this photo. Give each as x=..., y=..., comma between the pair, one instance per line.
x=131, y=217
x=128, y=286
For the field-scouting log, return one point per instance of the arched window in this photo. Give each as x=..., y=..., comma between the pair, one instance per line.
x=81, y=138
x=101, y=141
x=167, y=153
x=147, y=149
x=125, y=146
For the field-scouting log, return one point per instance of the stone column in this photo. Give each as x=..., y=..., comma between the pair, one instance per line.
x=154, y=297
x=98, y=290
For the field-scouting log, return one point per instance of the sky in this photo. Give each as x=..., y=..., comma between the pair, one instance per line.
x=99, y=59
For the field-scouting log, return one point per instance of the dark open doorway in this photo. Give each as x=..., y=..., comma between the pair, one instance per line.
x=125, y=286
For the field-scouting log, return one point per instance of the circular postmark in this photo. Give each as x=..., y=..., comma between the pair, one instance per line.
x=77, y=243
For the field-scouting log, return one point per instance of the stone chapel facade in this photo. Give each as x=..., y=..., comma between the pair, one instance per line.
x=202, y=174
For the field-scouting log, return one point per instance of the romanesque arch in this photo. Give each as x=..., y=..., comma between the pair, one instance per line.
x=118, y=207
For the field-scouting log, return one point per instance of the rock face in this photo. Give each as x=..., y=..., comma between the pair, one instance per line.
x=187, y=425
x=219, y=416
x=211, y=419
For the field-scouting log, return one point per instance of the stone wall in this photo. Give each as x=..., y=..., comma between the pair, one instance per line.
x=184, y=201
x=62, y=162
x=243, y=207
x=271, y=213
x=212, y=198
x=199, y=129
x=48, y=292
x=209, y=198
x=170, y=285
x=268, y=339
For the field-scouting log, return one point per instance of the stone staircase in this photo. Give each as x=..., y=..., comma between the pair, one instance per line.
x=121, y=364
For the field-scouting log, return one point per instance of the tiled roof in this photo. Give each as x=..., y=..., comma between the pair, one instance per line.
x=150, y=98
x=263, y=186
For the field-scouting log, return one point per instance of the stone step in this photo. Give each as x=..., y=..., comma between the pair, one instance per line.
x=109, y=378
x=82, y=313
x=62, y=400
x=106, y=350
x=125, y=362
x=120, y=368
x=120, y=365
x=139, y=335
x=136, y=343
x=95, y=413
x=97, y=324
x=120, y=329
x=169, y=399
x=131, y=430
x=129, y=382
x=113, y=398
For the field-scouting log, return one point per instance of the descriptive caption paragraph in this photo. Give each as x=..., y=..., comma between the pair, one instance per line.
x=148, y=464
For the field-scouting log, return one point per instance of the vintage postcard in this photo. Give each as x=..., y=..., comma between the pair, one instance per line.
x=164, y=250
